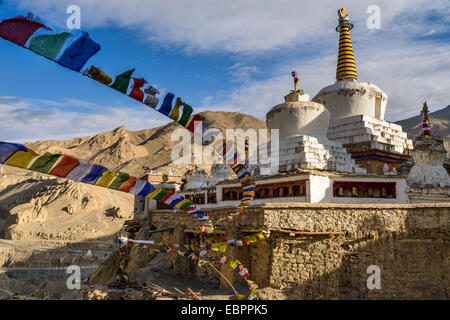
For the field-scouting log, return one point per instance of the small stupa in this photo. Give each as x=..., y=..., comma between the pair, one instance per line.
x=195, y=179
x=219, y=172
x=357, y=112
x=428, y=179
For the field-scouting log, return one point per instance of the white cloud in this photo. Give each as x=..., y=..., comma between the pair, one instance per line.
x=231, y=26
x=25, y=121
x=242, y=72
x=298, y=34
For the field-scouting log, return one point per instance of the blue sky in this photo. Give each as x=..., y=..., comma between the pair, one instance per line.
x=216, y=55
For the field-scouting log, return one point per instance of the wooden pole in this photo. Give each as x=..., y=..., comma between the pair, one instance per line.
x=239, y=296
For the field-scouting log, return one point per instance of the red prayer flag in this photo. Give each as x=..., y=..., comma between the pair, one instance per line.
x=128, y=185
x=19, y=29
x=65, y=166
x=167, y=196
x=191, y=124
x=136, y=92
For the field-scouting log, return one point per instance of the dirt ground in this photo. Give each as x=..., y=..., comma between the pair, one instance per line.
x=48, y=224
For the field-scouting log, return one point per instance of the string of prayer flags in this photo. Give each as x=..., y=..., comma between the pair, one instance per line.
x=196, y=257
x=77, y=48
x=233, y=159
x=79, y=171
x=17, y=155
x=205, y=247
x=94, y=174
x=172, y=111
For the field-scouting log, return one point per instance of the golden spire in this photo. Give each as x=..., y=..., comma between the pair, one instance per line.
x=346, y=68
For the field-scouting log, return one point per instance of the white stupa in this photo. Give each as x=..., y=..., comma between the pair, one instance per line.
x=303, y=144
x=357, y=109
x=428, y=169
x=428, y=180
x=195, y=179
x=357, y=117
x=219, y=172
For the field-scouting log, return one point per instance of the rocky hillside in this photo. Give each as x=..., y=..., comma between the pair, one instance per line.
x=439, y=121
x=129, y=151
x=40, y=206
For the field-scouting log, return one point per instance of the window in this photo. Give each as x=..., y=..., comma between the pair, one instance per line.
x=364, y=189
x=281, y=192
x=230, y=194
x=281, y=189
x=298, y=191
x=212, y=198
x=199, y=199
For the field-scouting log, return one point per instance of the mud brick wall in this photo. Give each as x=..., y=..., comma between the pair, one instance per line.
x=322, y=251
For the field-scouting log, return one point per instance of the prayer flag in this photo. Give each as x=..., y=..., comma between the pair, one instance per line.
x=123, y=81
x=79, y=52
x=49, y=46
x=19, y=29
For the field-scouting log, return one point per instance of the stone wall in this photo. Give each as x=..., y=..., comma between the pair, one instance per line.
x=322, y=251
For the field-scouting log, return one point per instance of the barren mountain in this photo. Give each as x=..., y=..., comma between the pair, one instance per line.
x=129, y=151
x=439, y=122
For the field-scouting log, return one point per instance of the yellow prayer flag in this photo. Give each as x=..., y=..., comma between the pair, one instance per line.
x=21, y=159
x=154, y=193
x=179, y=204
x=107, y=177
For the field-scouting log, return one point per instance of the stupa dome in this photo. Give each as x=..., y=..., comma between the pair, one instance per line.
x=297, y=115
x=195, y=179
x=350, y=97
x=219, y=173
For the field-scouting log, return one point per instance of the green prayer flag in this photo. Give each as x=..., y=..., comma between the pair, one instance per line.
x=49, y=46
x=187, y=111
x=45, y=162
x=186, y=205
x=160, y=195
x=123, y=81
x=117, y=183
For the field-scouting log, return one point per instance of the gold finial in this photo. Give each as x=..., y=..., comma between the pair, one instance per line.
x=346, y=67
